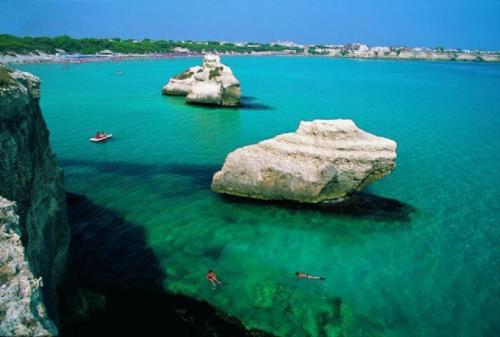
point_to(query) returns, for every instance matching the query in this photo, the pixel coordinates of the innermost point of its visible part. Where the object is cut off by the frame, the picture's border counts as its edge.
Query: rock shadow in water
(108, 252)
(111, 256)
(252, 103)
(246, 103)
(201, 175)
(359, 205)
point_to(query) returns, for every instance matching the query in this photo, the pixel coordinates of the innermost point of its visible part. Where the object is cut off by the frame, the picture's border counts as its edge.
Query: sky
(472, 24)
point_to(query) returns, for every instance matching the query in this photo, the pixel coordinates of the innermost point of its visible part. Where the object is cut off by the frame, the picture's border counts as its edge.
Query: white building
(181, 50)
(381, 50)
(106, 52)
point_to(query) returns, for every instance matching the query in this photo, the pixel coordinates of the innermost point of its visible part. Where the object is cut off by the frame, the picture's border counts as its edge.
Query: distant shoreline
(91, 58)
(65, 49)
(83, 58)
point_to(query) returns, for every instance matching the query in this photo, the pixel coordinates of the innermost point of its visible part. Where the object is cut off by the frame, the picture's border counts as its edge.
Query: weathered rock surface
(213, 83)
(22, 311)
(323, 160)
(30, 177)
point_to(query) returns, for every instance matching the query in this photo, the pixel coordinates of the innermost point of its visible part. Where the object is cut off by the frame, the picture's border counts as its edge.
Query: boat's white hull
(102, 139)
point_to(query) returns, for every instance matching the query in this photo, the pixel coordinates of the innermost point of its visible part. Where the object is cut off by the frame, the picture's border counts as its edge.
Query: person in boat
(212, 278)
(301, 275)
(99, 135)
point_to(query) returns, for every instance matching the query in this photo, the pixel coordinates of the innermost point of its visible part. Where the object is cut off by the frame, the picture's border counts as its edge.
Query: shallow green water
(434, 273)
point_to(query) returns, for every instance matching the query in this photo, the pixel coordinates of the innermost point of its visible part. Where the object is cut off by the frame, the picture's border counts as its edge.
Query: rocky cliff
(323, 160)
(213, 83)
(29, 176)
(22, 311)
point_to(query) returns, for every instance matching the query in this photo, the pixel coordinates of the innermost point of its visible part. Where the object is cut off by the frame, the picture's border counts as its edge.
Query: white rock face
(22, 311)
(205, 92)
(213, 83)
(323, 160)
(211, 60)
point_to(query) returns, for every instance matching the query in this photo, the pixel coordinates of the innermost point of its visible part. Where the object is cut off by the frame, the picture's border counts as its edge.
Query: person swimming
(212, 278)
(301, 275)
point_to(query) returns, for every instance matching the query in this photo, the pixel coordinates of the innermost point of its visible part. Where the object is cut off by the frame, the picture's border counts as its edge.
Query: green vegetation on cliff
(5, 78)
(23, 45)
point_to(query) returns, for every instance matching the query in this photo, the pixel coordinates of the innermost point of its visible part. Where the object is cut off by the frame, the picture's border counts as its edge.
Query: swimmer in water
(301, 275)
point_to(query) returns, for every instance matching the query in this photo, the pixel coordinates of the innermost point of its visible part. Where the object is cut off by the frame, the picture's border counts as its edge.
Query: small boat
(101, 137)
(118, 72)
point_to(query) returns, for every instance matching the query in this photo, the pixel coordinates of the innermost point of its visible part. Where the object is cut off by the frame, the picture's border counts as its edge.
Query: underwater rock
(127, 273)
(30, 177)
(213, 83)
(323, 160)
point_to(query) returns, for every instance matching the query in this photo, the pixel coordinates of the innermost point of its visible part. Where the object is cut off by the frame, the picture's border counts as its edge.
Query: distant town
(65, 49)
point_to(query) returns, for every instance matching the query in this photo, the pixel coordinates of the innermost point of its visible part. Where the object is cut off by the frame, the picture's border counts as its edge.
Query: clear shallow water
(435, 273)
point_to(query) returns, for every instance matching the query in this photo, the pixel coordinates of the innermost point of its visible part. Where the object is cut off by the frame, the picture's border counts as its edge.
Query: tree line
(24, 45)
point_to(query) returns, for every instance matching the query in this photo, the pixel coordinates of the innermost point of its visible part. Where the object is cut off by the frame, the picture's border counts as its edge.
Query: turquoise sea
(429, 268)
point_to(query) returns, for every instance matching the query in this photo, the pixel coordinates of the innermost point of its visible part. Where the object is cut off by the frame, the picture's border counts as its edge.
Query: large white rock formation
(323, 160)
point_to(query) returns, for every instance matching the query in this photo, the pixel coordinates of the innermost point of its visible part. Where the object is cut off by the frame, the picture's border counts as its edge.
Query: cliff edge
(30, 177)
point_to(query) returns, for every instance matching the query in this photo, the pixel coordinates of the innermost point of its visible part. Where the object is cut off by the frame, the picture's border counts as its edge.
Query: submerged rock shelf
(136, 301)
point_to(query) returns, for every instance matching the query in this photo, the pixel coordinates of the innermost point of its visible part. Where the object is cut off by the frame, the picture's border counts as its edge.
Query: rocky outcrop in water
(323, 160)
(213, 83)
(22, 311)
(30, 177)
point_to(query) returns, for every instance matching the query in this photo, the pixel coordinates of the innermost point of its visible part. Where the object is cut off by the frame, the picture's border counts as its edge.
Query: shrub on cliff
(5, 78)
(214, 73)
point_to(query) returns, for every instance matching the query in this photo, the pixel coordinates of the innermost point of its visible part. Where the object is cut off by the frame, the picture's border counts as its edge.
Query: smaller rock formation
(22, 311)
(323, 160)
(213, 83)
